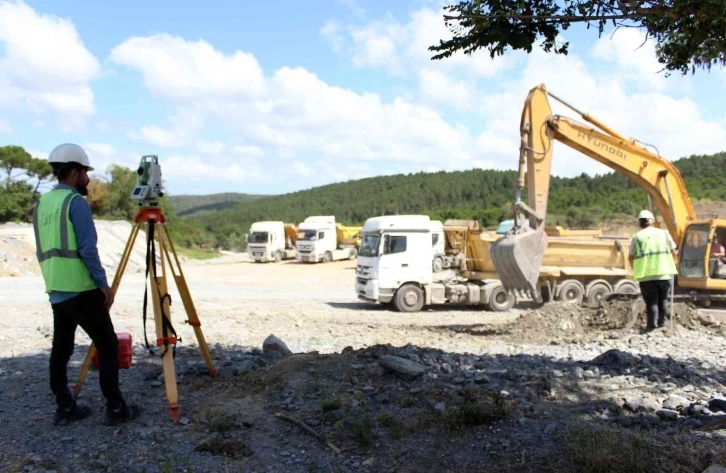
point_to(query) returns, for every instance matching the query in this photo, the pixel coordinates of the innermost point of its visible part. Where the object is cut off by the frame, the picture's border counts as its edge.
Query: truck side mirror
(386, 244)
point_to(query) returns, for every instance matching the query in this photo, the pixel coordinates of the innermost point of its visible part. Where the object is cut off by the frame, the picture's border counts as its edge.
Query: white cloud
(46, 66)
(294, 125)
(210, 147)
(190, 71)
(674, 125)
(195, 168)
(436, 86)
(403, 47)
(103, 155)
(634, 56)
(292, 111)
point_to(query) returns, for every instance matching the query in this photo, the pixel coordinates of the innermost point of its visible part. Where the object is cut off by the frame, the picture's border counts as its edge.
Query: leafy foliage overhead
(687, 33)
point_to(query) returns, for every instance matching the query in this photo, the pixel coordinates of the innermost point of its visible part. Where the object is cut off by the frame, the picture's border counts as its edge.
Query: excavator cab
(701, 260)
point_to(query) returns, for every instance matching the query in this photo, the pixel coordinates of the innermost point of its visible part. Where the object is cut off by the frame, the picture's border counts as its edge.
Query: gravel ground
(441, 390)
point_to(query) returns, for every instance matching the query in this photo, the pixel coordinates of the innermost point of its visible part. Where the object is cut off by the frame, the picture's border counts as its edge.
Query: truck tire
(438, 264)
(571, 291)
(353, 253)
(625, 286)
(409, 298)
(596, 293)
(500, 300)
(278, 257)
(327, 257)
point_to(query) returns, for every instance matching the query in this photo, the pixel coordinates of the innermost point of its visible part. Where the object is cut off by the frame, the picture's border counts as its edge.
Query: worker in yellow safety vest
(75, 281)
(653, 259)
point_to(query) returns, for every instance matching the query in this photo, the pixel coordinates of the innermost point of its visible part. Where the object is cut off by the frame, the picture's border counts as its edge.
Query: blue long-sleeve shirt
(82, 220)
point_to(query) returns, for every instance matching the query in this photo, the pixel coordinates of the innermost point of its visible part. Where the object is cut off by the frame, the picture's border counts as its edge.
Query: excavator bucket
(517, 257)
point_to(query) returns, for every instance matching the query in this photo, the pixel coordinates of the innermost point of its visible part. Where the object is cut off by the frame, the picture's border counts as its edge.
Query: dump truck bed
(348, 235)
(574, 256)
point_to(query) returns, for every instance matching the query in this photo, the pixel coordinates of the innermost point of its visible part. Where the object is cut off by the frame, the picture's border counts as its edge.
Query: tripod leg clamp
(165, 341)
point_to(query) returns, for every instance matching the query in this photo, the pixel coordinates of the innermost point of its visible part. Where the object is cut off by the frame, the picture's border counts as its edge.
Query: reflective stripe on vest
(57, 247)
(652, 254)
(63, 251)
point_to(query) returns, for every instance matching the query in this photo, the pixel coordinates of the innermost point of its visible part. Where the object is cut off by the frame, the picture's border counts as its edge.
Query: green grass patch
(197, 253)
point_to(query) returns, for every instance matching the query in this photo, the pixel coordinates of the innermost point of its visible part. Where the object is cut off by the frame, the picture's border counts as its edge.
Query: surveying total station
(147, 192)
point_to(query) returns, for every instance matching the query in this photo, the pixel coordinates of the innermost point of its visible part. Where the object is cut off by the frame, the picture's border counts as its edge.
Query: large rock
(403, 368)
(273, 345)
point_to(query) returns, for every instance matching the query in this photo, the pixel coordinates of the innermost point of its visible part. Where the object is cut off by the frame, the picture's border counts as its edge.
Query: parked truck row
(314, 240)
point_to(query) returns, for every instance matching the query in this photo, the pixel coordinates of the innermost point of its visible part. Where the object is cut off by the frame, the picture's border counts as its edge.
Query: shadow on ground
(401, 409)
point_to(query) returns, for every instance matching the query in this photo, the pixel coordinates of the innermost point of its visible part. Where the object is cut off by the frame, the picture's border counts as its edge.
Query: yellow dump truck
(395, 264)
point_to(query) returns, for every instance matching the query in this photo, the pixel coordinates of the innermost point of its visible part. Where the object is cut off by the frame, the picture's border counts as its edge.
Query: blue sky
(260, 99)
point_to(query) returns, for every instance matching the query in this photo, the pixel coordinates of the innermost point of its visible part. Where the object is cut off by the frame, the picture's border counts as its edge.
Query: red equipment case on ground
(124, 351)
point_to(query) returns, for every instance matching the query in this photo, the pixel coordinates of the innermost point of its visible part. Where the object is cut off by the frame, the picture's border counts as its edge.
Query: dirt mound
(17, 248)
(560, 322)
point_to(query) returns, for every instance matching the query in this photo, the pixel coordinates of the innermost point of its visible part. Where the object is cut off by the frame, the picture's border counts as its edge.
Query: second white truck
(271, 241)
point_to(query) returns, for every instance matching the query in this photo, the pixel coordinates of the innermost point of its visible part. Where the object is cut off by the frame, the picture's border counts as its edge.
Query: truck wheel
(625, 286)
(438, 264)
(596, 294)
(327, 257)
(353, 253)
(409, 298)
(500, 300)
(278, 257)
(571, 292)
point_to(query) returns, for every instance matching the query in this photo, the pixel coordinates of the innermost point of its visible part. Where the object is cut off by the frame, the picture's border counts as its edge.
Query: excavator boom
(518, 255)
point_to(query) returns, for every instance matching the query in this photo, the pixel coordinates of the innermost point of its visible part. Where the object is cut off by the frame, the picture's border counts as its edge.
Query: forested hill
(188, 205)
(484, 195)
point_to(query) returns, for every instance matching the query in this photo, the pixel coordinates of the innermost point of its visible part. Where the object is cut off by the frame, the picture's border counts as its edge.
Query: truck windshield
(307, 235)
(257, 237)
(369, 245)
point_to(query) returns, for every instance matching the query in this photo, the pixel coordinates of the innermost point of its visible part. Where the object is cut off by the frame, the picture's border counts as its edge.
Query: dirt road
(311, 307)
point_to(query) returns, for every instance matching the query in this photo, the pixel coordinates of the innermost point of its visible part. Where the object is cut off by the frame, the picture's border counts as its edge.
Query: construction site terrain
(312, 380)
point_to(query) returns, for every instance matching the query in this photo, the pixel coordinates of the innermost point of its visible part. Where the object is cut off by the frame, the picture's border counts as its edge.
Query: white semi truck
(271, 241)
(411, 261)
(320, 239)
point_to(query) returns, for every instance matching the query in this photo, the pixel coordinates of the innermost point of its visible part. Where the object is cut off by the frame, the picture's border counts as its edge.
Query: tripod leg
(114, 287)
(189, 305)
(159, 286)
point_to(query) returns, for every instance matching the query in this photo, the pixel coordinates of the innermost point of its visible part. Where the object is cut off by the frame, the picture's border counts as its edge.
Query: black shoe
(74, 412)
(122, 414)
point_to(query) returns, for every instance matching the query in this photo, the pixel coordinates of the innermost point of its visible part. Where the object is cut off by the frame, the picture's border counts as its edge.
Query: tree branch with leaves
(688, 34)
(23, 177)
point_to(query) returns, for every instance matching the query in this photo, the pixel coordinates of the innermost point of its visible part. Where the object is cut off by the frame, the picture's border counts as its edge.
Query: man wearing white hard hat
(76, 284)
(653, 259)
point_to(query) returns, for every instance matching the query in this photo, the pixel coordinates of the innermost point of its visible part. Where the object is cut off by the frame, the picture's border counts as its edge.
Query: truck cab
(320, 239)
(396, 250)
(268, 241)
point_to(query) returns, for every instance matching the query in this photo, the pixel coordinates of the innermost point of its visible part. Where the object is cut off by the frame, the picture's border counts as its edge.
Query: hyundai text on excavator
(518, 255)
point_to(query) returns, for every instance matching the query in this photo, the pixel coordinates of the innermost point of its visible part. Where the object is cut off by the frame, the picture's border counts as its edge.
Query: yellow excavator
(518, 255)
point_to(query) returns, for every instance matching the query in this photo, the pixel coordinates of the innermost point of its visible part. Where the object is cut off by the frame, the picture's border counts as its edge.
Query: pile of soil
(561, 322)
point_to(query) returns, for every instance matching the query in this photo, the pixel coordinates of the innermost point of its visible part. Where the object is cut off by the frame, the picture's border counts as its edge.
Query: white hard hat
(646, 214)
(69, 153)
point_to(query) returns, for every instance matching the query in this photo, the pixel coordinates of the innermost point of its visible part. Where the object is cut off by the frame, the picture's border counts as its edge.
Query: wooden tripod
(154, 218)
